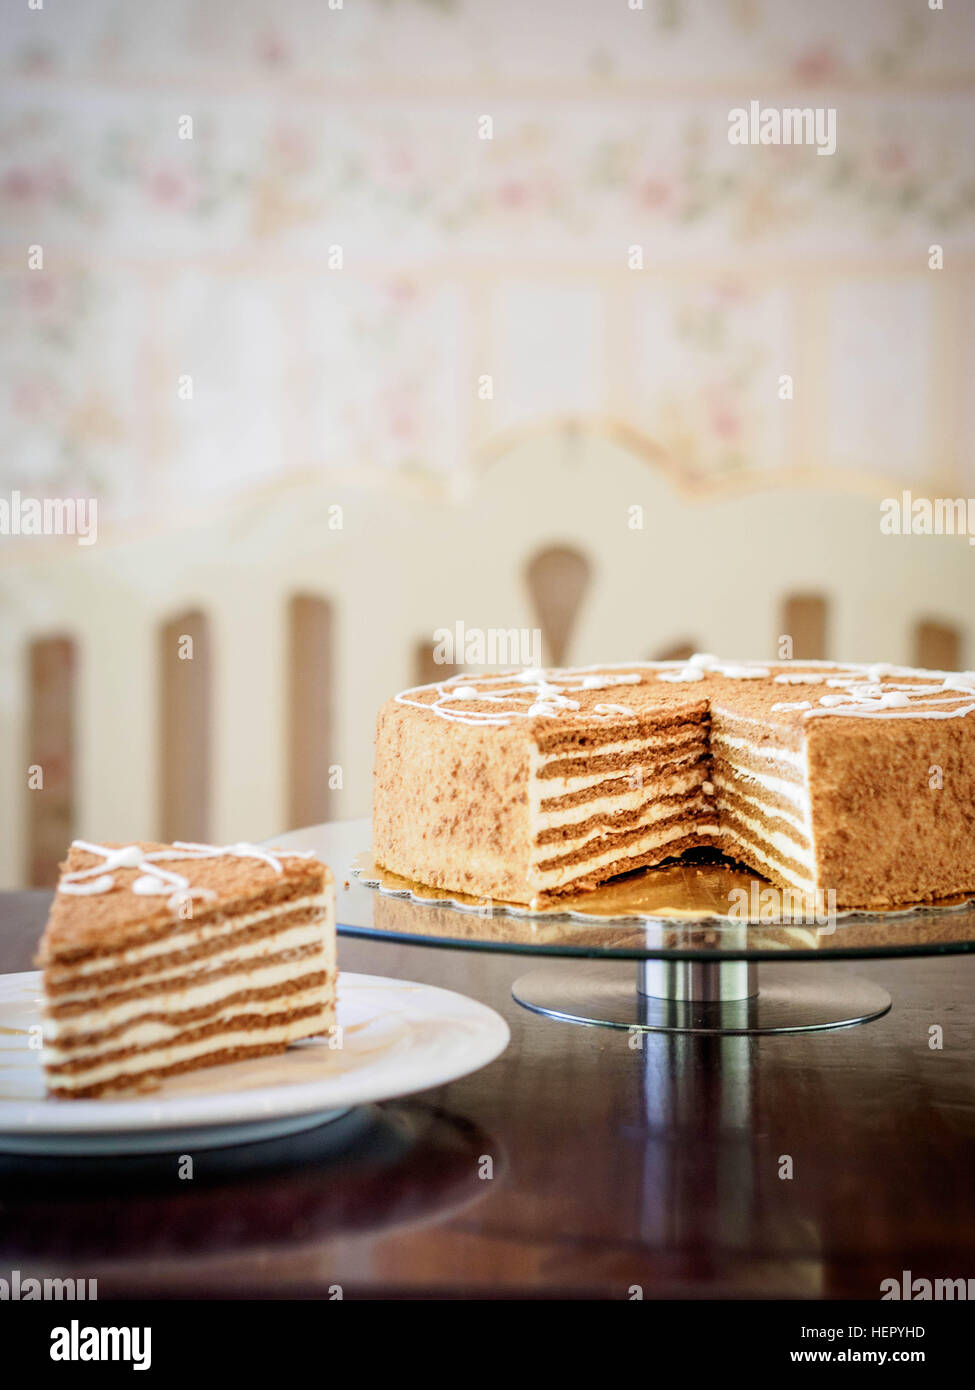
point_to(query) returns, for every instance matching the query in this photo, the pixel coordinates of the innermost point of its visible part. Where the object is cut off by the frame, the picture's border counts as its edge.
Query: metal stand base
(701, 996)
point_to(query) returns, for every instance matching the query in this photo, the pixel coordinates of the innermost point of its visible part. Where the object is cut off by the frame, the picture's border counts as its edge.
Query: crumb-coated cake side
(451, 803)
(893, 808)
(820, 776)
(159, 959)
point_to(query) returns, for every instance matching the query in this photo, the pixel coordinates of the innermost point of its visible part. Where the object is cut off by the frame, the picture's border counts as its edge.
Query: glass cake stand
(698, 970)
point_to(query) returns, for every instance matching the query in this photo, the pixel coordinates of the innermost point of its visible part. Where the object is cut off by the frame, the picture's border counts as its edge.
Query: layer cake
(822, 777)
(158, 959)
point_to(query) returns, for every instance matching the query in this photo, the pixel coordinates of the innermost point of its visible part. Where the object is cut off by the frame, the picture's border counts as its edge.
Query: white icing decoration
(860, 690)
(791, 704)
(873, 711)
(686, 673)
(613, 709)
(534, 695)
(160, 881)
(607, 682)
(703, 661)
(743, 673)
(96, 885)
(154, 880)
(550, 700)
(867, 698)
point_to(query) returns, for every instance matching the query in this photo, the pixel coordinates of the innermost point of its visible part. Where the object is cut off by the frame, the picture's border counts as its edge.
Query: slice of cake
(855, 780)
(158, 959)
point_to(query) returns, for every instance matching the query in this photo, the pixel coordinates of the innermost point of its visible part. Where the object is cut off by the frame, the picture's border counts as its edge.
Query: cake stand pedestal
(686, 996)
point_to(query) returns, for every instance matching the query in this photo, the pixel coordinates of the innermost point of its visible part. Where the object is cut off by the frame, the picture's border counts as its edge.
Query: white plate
(397, 1037)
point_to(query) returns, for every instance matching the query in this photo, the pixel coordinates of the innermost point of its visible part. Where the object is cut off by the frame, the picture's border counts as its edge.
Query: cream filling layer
(244, 956)
(794, 793)
(633, 800)
(651, 743)
(728, 784)
(751, 851)
(180, 1001)
(550, 787)
(789, 756)
(194, 936)
(776, 839)
(655, 811)
(556, 878)
(797, 793)
(160, 1057)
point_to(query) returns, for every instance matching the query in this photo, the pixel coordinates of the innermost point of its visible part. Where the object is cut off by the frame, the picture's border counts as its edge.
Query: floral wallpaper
(337, 259)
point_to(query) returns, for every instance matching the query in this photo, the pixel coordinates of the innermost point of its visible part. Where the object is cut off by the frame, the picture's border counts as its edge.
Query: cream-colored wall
(358, 127)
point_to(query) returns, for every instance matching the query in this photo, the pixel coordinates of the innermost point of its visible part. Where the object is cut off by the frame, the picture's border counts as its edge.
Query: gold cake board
(669, 996)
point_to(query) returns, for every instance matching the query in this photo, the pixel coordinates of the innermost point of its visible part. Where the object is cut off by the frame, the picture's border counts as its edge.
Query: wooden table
(572, 1166)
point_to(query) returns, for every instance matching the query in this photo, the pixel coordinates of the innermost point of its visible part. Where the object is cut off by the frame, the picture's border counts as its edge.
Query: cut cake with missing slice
(825, 778)
(159, 959)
